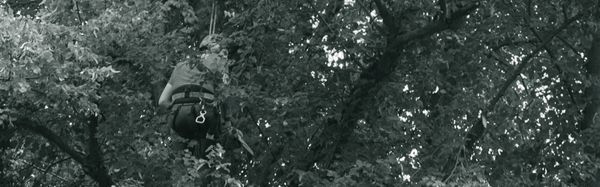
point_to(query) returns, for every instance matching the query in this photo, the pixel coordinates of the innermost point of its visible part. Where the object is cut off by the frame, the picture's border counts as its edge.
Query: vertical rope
(213, 19)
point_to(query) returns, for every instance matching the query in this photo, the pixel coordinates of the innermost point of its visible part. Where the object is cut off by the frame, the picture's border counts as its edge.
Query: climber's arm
(165, 97)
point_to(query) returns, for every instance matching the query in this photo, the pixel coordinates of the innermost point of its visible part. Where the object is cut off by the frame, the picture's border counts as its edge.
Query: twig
(78, 12)
(553, 57)
(53, 164)
(570, 46)
(455, 165)
(368, 14)
(45, 171)
(522, 80)
(314, 10)
(264, 136)
(434, 27)
(444, 8)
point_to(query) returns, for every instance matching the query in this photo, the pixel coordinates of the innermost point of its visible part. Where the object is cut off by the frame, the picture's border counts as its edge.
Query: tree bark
(92, 163)
(95, 156)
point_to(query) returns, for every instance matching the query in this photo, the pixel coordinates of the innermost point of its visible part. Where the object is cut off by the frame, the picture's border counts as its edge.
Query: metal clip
(200, 119)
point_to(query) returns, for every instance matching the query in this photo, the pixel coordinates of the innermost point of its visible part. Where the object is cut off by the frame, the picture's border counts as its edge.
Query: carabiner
(200, 119)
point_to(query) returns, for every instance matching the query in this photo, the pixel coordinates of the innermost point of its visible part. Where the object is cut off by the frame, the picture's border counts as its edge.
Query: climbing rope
(213, 19)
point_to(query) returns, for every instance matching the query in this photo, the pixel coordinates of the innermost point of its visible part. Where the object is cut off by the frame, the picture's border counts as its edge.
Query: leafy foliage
(326, 93)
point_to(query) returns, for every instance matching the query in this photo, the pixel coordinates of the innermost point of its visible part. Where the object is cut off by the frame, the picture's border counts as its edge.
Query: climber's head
(211, 43)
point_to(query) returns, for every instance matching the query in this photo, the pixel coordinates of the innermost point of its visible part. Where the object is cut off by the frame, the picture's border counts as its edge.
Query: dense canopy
(326, 92)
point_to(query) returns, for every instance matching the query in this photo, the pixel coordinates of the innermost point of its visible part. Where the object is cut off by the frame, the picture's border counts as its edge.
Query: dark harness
(191, 94)
(193, 113)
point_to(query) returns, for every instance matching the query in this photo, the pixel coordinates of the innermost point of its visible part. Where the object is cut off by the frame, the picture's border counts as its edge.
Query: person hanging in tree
(195, 111)
(190, 95)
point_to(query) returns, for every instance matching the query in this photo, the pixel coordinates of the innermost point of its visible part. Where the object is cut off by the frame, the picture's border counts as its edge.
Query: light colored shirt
(185, 74)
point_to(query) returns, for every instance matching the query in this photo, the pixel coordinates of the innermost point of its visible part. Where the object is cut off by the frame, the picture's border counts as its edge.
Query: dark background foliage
(327, 93)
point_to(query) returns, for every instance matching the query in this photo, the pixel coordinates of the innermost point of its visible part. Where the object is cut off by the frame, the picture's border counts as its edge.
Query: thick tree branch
(387, 64)
(97, 170)
(92, 163)
(51, 137)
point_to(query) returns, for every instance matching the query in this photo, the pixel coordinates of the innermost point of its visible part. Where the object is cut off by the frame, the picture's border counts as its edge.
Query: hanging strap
(213, 19)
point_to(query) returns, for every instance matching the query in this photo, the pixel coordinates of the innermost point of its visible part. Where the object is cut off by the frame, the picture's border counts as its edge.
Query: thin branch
(45, 171)
(55, 163)
(437, 26)
(553, 59)
(563, 40)
(524, 85)
(525, 62)
(528, 9)
(565, 9)
(78, 12)
(456, 162)
(510, 43)
(444, 8)
(569, 87)
(326, 23)
(260, 131)
(370, 18)
(491, 54)
(477, 130)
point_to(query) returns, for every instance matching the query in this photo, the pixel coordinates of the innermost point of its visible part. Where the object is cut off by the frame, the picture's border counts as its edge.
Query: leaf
(484, 121)
(23, 87)
(36, 69)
